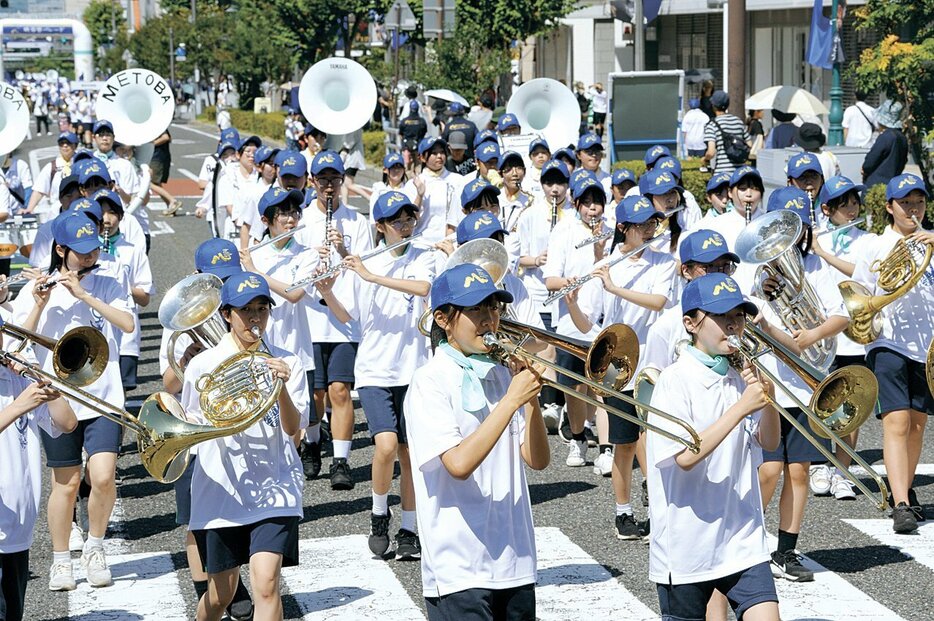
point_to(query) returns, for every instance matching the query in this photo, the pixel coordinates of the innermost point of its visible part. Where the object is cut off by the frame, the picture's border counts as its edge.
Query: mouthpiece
(255, 331)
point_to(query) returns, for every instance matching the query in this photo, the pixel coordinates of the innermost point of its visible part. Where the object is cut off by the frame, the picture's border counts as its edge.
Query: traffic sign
(436, 12)
(400, 17)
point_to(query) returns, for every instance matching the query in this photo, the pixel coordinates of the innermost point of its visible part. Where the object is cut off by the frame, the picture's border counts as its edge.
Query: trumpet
(278, 237)
(340, 267)
(577, 284)
(840, 403)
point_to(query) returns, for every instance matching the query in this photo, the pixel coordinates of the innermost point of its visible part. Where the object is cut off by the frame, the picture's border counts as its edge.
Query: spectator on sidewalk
(888, 156)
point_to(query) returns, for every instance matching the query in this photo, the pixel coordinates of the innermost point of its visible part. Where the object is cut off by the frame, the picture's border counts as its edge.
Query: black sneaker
(626, 527)
(645, 493)
(788, 565)
(903, 519)
(311, 459)
(916, 507)
(591, 438)
(341, 478)
(379, 533)
(241, 608)
(408, 547)
(645, 530)
(564, 428)
(326, 427)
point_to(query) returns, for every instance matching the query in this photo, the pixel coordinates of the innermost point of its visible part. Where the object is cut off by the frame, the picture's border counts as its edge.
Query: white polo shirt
(442, 196)
(662, 339)
(532, 233)
(250, 215)
(849, 246)
(127, 178)
(907, 322)
(707, 522)
(135, 263)
(476, 533)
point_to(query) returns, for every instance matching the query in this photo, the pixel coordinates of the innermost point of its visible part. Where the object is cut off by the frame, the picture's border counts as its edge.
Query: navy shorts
(744, 589)
(226, 548)
(902, 382)
(14, 572)
(334, 363)
(183, 493)
(515, 604)
(571, 363)
(622, 431)
(793, 447)
(95, 435)
(383, 409)
(128, 365)
(312, 412)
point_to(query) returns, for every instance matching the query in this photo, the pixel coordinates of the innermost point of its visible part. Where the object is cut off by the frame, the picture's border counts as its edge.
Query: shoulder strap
(871, 124)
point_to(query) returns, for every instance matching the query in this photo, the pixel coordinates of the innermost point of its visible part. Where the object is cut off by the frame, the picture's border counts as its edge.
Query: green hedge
(693, 180)
(374, 148)
(269, 126)
(874, 205)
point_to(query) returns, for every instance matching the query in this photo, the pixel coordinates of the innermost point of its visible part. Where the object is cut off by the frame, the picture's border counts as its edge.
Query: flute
(50, 283)
(844, 227)
(278, 237)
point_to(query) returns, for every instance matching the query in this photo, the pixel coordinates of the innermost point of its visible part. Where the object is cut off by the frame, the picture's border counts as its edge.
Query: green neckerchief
(841, 239)
(476, 367)
(718, 364)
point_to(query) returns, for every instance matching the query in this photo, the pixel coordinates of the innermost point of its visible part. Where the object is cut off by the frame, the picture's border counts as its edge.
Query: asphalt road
(584, 570)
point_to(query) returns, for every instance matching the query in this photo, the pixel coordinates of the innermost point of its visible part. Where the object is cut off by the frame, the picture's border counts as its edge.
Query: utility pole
(172, 59)
(638, 42)
(736, 88)
(835, 132)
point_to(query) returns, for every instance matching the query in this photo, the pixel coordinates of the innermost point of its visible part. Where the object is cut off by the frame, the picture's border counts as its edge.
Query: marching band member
(746, 190)
(622, 182)
(225, 155)
(476, 195)
(93, 176)
(898, 356)
(567, 156)
(25, 408)
(137, 206)
(487, 156)
(68, 193)
(246, 509)
(96, 300)
(708, 529)
(264, 160)
(513, 200)
(312, 143)
(590, 153)
(691, 214)
(391, 291)
(653, 154)
(718, 196)
(235, 185)
(394, 178)
(539, 154)
(508, 125)
(48, 183)
(122, 171)
(468, 441)
(632, 292)
(805, 173)
(664, 192)
(442, 190)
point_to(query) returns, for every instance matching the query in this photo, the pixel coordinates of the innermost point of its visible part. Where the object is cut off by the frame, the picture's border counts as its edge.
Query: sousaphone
(14, 118)
(337, 95)
(138, 103)
(548, 108)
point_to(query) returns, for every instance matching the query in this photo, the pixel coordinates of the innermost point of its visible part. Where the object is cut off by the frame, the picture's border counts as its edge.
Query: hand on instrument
(772, 288)
(246, 260)
(541, 259)
(603, 273)
(759, 390)
(200, 212)
(446, 246)
(355, 264)
(526, 382)
(190, 352)
(279, 368)
(336, 238)
(816, 248)
(36, 394)
(805, 338)
(922, 236)
(31, 273)
(72, 282)
(325, 284)
(572, 294)
(41, 293)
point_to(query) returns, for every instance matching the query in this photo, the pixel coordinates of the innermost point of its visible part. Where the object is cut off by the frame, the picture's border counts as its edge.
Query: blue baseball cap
(81, 155)
(110, 196)
(836, 187)
(585, 183)
(89, 207)
(264, 153)
(566, 153)
(224, 145)
(391, 203)
(654, 153)
(790, 197)
(78, 232)
(455, 108)
(715, 293)
(475, 188)
(636, 210)
(657, 182)
(465, 285)
(801, 163)
(506, 121)
(705, 246)
(621, 175)
(554, 167)
(512, 158)
(539, 143)
(478, 225)
(487, 135)
(902, 185)
(244, 287)
(256, 141)
(719, 179)
(69, 137)
(589, 141)
(487, 151)
(275, 196)
(311, 129)
(668, 163)
(292, 163)
(230, 135)
(393, 159)
(428, 142)
(103, 125)
(93, 169)
(218, 256)
(578, 175)
(326, 160)
(310, 195)
(741, 173)
(65, 184)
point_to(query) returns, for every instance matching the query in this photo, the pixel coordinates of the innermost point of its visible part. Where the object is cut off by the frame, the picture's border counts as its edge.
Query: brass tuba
(191, 306)
(771, 242)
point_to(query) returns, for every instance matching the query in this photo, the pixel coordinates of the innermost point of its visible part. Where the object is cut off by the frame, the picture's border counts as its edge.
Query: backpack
(735, 148)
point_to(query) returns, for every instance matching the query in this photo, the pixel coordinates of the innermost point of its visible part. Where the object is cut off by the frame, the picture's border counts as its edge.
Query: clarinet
(105, 245)
(554, 211)
(748, 210)
(811, 206)
(328, 223)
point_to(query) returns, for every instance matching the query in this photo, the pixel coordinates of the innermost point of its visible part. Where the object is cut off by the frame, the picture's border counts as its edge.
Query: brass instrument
(609, 363)
(192, 307)
(529, 202)
(771, 243)
(79, 356)
(898, 272)
(840, 403)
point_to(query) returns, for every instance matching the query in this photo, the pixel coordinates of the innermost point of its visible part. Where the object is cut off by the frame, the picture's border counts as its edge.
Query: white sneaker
(61, 577)
(577, 454)
(603, 464)
(76, 539)
(552, 415)
(820, 480)
(842, 488)
(95, 563)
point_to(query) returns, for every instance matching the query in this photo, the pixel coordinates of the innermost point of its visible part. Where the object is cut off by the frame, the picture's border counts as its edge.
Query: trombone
(609, 363)
(841, 402)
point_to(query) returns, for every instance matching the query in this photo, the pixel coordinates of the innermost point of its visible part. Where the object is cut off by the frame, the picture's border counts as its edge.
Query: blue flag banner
(820, 39)
(650, 9)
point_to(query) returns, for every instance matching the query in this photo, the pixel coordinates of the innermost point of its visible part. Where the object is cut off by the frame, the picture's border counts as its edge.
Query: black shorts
(226, 548)
(622, 431)
(95, 435)
(183, 493)
(599, 118)
(334, 362)
(515, 604)
(351, 172)
(794, 448)
(159, 171)
(14, 572)
(571, 363)
(128, 366)
(312, 412)
(744, 589)
(383, 409)
(902, 382)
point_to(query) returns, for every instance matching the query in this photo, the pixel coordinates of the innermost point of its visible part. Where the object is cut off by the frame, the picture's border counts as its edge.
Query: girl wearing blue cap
(470, 438)
(394, 178)
(898, 356)
(708, 528)
(79, 297)
(663, 189)
(745, 196)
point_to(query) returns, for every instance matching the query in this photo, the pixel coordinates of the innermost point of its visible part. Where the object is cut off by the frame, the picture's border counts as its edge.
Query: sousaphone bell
(138, 103)
(548, 108)
(337, 95)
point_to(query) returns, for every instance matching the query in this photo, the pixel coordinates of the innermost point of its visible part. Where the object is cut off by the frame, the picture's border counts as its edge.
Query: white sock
(61, 557)
(313, 433)
(589, 425)
(408, 521)
(341, 448)
(93, 542)
(623, 509)
(381, 503)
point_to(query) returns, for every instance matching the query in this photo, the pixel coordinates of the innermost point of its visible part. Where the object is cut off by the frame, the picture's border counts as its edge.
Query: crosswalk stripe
(923, 469)
(338, 578)
(826, 597)
(145, 587)
(919, 547)
(568, 576)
